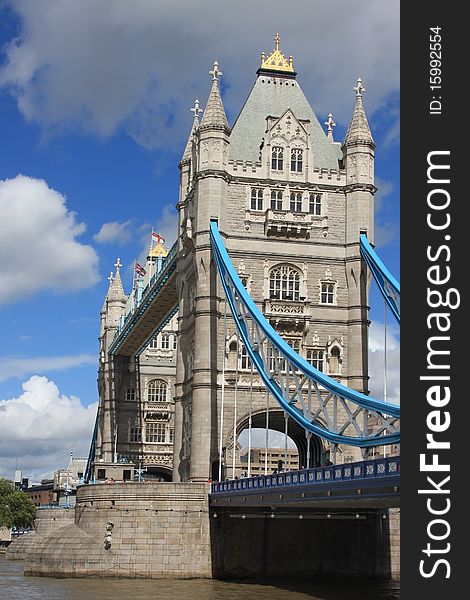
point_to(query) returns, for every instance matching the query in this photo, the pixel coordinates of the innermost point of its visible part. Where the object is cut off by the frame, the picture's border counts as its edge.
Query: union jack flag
(139, 270)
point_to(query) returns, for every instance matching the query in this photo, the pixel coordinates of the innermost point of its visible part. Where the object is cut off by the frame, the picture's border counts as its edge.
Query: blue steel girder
(320, 404)
(388, 285)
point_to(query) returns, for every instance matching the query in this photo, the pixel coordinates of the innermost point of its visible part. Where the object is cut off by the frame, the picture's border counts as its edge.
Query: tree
(16, 508)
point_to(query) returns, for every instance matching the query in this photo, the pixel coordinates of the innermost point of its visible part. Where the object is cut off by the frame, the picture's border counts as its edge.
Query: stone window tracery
(155, 432)
(316, 358)
(276, 200)
(130, 393)
(284, 283)
(277, 158)
(256, 199)
(296, 202)
(327, 295)
(296, 160)
(157, 390)
(315, 204)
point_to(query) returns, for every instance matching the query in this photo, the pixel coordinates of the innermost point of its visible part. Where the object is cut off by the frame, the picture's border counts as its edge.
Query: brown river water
(13, 585)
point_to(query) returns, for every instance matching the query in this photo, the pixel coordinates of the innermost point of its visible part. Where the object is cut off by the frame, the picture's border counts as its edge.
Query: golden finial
(276, 61)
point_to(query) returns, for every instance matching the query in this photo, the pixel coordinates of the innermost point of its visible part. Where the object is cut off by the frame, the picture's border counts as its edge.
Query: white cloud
(138, 64)
(16, 367)
(40, 427)
(38, 242)
(376, 362)
(114, 233)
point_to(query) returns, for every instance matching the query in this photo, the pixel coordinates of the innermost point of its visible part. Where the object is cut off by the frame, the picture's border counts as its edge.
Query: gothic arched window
(296, 160)
(284, 283)
(165, 341)
(277, 158)
(276, 200)
(157, 390)
(130, 393)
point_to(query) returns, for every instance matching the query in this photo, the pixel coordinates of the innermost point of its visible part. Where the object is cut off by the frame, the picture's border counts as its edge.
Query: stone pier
(147, 530)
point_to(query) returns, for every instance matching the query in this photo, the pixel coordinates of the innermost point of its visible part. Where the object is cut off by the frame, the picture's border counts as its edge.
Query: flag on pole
(139, 270)
(156, 237)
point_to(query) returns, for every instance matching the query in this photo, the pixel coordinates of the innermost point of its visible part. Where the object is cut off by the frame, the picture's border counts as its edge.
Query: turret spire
(359, 130)
(196, 110)
(116, 291)
(215, 112)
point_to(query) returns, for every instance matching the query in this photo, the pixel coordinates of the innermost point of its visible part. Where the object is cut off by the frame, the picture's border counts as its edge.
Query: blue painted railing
(367, 469)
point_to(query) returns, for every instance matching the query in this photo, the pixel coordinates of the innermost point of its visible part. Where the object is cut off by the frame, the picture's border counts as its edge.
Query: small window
(153, 344)
(175, 342)
(277, 158)
(135, 434)
(276, 200)
(171, 435)
(316, 358)
(276, 360)
(256, 199)
(327, 293)
(244, 358)
(101, 474)
(130, 393)
(314, 204)
(126, 475)
(165, 341)
(296, 202)
(296, 160)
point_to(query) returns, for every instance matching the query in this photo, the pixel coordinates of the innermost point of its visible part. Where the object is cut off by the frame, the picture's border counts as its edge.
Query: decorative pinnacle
(196, 110)
(118, 265)
(111, 278)
(359, 89)
(276, 41)
(330, 123)
(215, 72)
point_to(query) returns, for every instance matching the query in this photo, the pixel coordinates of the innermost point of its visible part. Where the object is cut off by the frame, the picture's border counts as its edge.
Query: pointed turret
(116, 290)
(187, 154)
(214, 114)
(359, 130)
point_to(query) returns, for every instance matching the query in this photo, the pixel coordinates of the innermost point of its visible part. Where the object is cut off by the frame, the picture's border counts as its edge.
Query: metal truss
(387, 283)
(318, 403)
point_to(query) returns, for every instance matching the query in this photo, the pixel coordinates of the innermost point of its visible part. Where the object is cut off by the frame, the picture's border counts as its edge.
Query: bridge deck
(159, 303)
(368, 484)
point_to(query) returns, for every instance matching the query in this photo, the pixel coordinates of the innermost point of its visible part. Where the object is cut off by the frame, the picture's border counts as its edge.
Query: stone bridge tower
(291, 203)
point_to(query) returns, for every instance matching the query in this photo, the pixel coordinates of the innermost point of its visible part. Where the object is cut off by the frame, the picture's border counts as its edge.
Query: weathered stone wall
(47, 522)
(260, 546)
(160, 530)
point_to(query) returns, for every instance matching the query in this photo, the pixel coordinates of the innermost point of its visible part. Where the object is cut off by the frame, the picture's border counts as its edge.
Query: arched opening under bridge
(296, 439)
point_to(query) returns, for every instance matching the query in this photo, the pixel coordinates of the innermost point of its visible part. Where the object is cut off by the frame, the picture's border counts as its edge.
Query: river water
(13, 585)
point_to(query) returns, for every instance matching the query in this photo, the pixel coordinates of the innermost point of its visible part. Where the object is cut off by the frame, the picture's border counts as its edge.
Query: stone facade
(290, 204)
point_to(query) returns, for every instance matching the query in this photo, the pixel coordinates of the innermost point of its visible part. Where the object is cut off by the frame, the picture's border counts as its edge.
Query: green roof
(273, 99)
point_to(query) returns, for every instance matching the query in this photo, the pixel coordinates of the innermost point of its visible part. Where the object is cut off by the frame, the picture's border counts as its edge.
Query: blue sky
(94, 114)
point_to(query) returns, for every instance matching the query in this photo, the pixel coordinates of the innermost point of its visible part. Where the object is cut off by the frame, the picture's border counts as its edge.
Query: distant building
(42, 494)
(67, 480)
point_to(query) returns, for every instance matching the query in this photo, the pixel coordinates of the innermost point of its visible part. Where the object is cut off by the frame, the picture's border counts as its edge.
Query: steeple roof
(359, 130)
(272, 94)
(214, 114)
(196, 110)
(116, 290)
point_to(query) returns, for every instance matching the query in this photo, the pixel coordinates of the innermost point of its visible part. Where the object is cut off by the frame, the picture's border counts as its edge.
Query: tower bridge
(265, 298)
